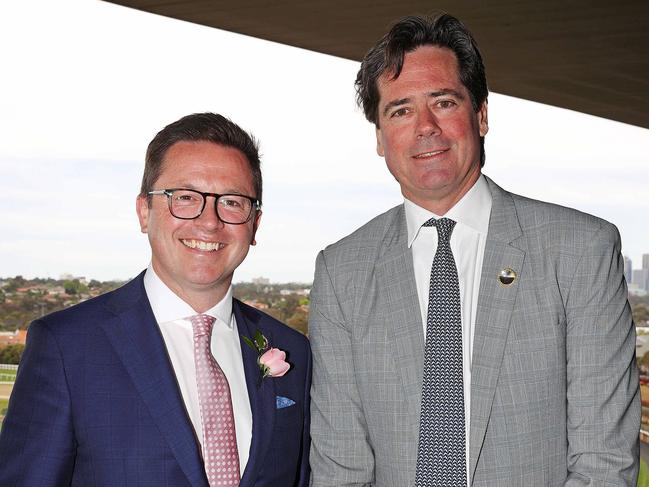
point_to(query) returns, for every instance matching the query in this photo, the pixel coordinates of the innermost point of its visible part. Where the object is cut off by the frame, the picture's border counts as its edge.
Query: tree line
(288, 302)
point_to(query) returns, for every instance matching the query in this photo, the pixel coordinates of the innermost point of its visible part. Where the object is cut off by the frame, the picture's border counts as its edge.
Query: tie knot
(202, 324)
(444, 227)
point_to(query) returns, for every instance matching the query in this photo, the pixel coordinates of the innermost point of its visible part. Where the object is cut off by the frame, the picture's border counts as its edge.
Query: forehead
(431, 68)
(204, 162)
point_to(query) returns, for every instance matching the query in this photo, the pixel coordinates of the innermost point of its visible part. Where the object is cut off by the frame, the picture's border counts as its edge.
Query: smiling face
(196, 258)
(428, 131)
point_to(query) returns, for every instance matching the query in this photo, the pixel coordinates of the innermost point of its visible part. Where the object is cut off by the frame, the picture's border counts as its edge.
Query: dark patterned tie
(441, 457)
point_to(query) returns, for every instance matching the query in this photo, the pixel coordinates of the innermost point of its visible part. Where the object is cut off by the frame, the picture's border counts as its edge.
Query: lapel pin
(506, 276)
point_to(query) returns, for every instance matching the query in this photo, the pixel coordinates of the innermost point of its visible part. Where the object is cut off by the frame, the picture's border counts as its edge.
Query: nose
(209, 219)
(427, 123)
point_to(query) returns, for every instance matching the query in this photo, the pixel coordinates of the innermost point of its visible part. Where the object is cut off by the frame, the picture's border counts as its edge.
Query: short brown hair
(210, 127)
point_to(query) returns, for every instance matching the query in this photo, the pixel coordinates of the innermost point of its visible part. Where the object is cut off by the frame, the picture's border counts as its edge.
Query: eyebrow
(432, 94)
(394, 103)
(196, 188)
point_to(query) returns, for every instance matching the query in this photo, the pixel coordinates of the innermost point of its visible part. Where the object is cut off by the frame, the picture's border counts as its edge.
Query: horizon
(87, 278)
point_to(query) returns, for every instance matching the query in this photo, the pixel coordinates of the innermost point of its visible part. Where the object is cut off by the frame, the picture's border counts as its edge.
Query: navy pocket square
(283, 402)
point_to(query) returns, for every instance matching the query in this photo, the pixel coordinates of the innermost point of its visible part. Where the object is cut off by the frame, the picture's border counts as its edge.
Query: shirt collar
(473, 210)
(168, 306)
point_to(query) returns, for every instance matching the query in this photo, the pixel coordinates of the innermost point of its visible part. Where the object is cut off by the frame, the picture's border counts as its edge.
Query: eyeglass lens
(231, 208)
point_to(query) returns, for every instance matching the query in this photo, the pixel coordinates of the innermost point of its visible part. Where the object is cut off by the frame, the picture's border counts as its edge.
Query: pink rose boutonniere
(271, 361)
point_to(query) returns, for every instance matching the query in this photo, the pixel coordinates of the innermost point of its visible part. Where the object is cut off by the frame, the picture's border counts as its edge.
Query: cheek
(238, 237)
(162, 229)
(396, 139)
(458, 127)
(396, 148)
(464, 128)
(244, 239)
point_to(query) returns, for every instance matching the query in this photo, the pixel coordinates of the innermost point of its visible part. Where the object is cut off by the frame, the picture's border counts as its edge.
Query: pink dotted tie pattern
(220, 452)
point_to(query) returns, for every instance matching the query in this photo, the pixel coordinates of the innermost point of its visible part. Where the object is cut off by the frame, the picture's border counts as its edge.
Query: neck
(200, 304)
(441, 204)
(199, 297)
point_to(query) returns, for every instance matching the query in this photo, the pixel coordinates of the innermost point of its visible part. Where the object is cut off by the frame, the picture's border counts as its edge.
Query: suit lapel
(137, 340)
(495, 306)
(260, 393)
(395, 281)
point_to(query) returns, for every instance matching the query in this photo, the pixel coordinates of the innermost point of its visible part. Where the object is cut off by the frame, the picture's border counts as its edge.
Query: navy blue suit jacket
(96, 403)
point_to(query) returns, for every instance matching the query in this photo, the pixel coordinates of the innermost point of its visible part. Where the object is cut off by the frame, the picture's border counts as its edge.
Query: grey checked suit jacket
(554, 388)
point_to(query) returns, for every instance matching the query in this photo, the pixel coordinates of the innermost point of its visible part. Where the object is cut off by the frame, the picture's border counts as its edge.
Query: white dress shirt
(471, 215)
(172, 314)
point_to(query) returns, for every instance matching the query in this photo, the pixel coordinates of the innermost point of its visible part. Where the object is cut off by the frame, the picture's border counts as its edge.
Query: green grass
(3, 410)
(643, 477)
(7, 375)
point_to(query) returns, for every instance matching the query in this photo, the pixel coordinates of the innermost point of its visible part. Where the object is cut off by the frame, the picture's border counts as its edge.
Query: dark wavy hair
(210, 127)
(405, 36)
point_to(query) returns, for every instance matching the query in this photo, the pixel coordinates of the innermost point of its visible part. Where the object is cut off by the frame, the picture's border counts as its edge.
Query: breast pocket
(289, 417)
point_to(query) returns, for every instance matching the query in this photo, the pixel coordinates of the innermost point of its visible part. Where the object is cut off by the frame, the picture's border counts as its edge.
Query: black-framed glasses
(188, 204)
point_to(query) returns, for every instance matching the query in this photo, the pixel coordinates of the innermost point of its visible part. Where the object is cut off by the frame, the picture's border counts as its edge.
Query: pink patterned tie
(219, 437)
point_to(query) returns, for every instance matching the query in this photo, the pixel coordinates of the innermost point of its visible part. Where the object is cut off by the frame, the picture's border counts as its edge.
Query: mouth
(429, 154)
(202, 245)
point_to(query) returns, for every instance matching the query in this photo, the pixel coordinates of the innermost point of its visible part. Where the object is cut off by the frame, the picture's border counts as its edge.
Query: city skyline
(637, 277)
(80, 104)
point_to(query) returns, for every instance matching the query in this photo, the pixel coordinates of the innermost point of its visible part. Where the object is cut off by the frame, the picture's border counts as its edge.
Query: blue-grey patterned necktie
(441, 457)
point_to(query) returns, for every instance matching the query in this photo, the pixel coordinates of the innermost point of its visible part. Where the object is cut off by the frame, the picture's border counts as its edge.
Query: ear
(379, 143)
(142, 208)
(255, 226)
(483, 121)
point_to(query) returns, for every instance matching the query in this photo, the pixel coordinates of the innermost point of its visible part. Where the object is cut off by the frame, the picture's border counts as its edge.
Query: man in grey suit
(544, 340)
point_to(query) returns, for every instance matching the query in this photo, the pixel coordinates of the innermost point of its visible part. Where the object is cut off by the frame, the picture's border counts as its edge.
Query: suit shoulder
(551, 219)
(92, 311)
(368, 238)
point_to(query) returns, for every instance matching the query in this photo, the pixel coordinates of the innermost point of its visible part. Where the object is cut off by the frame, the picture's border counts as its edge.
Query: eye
(186, 197)
(400, 112)
(446, 103)
(231, 202)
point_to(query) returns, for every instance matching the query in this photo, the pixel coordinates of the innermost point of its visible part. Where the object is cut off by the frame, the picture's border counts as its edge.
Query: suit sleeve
(603, 409)
(340, 451)
(37, 446)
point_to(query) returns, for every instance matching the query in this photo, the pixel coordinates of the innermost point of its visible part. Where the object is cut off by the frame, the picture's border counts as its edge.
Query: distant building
(641, 344)
(70, 277)
(261, 281)
(628, 270)
(640, 278)
(56, 290)
(34, 289)
(256, 304)
(12, 337)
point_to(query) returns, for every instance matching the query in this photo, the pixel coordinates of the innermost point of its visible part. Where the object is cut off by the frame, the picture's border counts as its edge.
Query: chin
(209, 280)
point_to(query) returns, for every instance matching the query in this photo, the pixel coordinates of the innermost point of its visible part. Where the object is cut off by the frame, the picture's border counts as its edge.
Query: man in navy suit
(106, 393)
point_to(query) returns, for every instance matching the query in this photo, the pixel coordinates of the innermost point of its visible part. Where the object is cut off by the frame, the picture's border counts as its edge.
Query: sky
(87, 84)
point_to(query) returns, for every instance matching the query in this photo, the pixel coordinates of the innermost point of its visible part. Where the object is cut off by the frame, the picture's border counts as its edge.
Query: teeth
(200, 245)
(428, 154)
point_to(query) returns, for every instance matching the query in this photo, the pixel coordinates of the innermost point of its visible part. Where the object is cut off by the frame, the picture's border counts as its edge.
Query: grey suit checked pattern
(441, 457)
(562, 329)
